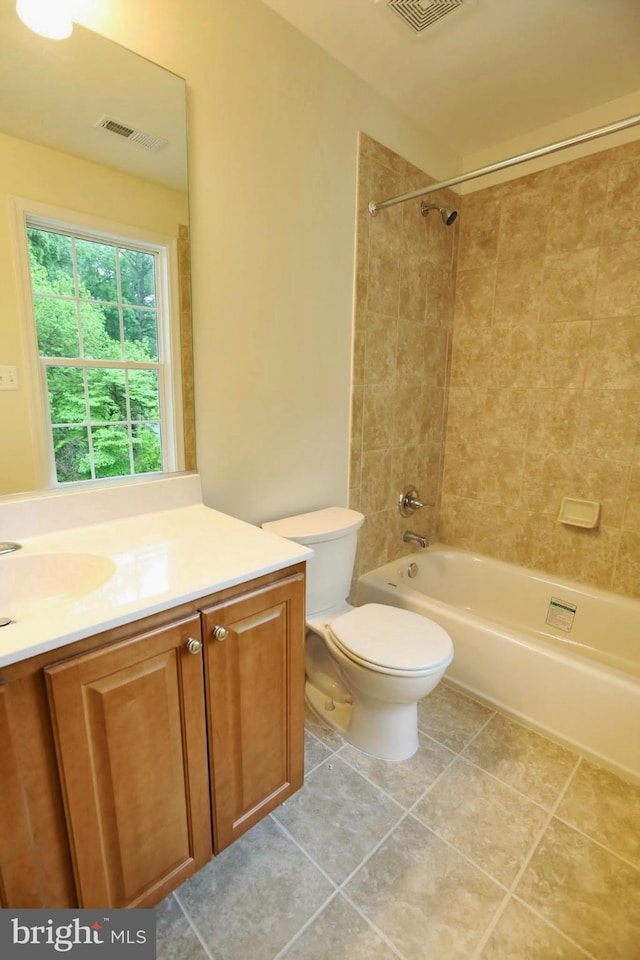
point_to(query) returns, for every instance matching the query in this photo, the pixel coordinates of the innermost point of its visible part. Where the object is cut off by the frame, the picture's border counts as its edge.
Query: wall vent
(419, 15)
(145, 140)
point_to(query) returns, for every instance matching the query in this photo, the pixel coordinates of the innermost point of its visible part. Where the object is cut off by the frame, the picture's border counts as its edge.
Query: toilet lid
(391, 638)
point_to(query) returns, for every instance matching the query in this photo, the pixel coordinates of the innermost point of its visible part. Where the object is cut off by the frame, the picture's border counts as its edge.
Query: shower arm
(376, 206)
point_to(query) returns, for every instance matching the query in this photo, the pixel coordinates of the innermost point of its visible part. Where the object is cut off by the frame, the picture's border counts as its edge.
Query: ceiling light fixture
(49, 18)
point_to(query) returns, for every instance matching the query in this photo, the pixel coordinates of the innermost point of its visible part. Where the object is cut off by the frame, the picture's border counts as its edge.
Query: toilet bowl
(366, 667)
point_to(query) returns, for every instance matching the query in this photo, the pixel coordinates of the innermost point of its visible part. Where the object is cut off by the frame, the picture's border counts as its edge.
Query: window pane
(51, 262)
(147, 452)
(71, 449)
(138, 278)
(66, 395)
(140, 334)
(111, 451)
(97, 277)
(57, 326)
(144, 395)
(98, 325)
(107, 396)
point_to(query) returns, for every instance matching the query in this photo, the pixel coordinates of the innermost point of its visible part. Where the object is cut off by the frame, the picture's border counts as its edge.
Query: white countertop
(136, 566)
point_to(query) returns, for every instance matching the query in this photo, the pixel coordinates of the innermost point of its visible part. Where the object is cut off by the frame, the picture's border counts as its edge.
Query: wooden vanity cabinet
(130, 731)
(254, 667)
(170, 742)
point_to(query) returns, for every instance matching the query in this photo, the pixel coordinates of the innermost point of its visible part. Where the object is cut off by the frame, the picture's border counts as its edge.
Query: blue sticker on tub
(560, 614)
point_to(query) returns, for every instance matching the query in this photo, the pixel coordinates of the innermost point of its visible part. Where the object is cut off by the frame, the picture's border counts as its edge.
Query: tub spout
(409, 537)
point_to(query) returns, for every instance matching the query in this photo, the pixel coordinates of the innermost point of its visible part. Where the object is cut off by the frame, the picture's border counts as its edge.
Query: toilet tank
(332, 534)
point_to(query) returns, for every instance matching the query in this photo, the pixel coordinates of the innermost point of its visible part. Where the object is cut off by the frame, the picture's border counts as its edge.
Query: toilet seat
(390, 640)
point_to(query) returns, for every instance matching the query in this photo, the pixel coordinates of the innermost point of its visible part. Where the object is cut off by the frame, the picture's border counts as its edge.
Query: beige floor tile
(484, 819)
(424, 896)
(522, 759)
(606, 808)
(339, 933)
(405, 780)
(314, 752)
(586, 892)
(338, 817)
(319, 729)
(521, 935)
(450, 717)
(175, 938)
(255, 896)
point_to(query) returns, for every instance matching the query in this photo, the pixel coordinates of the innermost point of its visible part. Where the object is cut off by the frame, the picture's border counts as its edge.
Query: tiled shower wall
(544, 397)
(403, 323)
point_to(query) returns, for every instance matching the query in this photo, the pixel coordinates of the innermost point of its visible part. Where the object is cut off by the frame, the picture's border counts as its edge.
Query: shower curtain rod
(375, 206)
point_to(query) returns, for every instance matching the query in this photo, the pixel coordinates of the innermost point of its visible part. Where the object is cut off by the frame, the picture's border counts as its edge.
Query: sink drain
(5, 621)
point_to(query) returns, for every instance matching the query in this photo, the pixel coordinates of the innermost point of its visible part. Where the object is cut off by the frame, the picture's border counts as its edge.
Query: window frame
(29, 213)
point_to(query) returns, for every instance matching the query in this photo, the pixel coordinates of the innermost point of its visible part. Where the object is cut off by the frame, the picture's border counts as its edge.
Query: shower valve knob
(409, 502)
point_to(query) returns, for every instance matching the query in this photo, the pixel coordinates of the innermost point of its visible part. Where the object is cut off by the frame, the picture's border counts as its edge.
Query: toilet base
(385, 731)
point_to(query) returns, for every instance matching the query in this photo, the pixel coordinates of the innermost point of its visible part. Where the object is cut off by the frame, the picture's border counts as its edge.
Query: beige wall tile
(377, 427)
(410, 351)
(613, 354)
(607, 424)
(552, 420)
(474, 297)
(515, 356)
(622, 213)
(627, 572)
(618, 287)
(456, 521)
(569, 286)
(631, 519)
(478, 237)
(579, 198)
(380, 346)
(501, 476)
(524, 211)
(518, 289)
(563, 353)
(539, 383)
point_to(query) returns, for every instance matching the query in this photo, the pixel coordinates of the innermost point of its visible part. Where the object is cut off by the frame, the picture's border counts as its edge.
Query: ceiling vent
(145, 140)
(419, 15)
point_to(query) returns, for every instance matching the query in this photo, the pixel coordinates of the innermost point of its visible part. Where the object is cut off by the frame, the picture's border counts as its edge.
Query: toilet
(366, 667)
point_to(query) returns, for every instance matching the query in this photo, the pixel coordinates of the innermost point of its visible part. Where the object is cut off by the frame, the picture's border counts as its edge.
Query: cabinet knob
(194, 645)
(220, 633)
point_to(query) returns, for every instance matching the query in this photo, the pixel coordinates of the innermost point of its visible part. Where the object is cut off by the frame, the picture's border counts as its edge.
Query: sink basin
(31, 583)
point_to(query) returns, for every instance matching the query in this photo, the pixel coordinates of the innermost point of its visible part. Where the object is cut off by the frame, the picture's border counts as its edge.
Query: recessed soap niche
(579, 513)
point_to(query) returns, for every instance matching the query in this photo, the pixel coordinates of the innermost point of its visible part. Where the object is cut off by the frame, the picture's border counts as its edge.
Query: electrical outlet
(8, 378)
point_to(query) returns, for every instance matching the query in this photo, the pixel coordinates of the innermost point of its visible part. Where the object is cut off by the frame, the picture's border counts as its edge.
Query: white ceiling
(490, 72)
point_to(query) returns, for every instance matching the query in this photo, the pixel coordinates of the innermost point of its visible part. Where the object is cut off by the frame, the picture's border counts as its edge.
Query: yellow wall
(37, 173)
(273, 127)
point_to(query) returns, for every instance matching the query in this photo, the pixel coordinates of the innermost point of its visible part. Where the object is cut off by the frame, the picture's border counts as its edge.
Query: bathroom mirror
(90, 127)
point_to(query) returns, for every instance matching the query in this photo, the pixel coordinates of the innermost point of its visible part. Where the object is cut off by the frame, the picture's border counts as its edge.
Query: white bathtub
(563, 657)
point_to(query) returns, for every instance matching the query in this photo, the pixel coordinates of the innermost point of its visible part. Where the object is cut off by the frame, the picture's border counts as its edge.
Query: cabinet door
(18, 861)
(130, 732)
(255, 695)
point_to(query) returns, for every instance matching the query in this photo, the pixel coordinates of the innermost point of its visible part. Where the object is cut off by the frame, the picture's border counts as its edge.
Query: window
(100, 306)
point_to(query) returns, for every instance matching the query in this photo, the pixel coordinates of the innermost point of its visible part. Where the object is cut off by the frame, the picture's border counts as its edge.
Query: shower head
(448, 216)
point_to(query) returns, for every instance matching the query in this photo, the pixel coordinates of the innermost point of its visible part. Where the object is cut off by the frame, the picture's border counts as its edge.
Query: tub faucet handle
(409, 502)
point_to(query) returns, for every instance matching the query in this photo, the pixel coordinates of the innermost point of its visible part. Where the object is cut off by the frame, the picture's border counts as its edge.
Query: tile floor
(491, 843)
